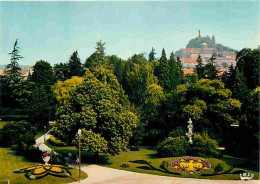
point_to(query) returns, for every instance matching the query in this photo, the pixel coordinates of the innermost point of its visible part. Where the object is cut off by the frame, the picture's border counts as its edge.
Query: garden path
(40, 143)
(103, 175)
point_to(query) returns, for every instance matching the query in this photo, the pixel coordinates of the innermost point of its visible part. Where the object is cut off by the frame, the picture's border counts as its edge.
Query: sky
(52, 31)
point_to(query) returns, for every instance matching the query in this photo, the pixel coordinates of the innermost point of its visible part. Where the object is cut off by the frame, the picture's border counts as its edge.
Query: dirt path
(103, 175)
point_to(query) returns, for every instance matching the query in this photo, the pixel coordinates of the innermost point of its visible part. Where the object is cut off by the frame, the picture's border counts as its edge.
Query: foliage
(43, 73)
(12, 77)
(152, 55)
(210, 70)
(93, 142)
(207, 102)
(62, 90)
(204, 146)
(75, 67)
(40, 105)
(13, 70)
(248, 64)
(173, 146)
(18, 135)
(98, 104)
(61, 71)
(200, 68)
(177, 132)
(138, 76)
(168, 72)
(56, 142)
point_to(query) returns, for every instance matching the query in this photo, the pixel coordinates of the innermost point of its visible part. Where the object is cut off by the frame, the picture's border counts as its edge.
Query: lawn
(137, 159)
(9, 162)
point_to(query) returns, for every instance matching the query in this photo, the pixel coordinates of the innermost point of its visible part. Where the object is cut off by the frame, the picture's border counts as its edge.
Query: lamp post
(44, 134)
(79, 134)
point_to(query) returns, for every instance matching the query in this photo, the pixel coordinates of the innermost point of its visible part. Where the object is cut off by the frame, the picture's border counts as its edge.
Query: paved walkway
(40, 143)
(103, 175)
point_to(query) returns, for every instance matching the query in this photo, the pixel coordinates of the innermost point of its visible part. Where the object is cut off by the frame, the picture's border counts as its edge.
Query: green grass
(9, 162)
(149, 154)
(2, 123)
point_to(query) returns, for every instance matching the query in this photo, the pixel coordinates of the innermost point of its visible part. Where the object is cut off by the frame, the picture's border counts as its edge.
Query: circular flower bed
(190, 165)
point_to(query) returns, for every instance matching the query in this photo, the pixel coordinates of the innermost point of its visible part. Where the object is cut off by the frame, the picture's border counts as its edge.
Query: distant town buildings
(224, 58)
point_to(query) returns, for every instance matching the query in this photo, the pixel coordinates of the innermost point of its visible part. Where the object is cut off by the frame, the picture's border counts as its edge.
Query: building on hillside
(189, 56)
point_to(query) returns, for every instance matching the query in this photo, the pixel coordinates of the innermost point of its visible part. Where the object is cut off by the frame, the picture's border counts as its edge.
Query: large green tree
(11, 79)
(43, 73)
(208, 103)
(13, 70)
(248, 63)
(138, 76)
(200, 68)
(169, 72)
(61, 71)
(75, 67)
(99, 106)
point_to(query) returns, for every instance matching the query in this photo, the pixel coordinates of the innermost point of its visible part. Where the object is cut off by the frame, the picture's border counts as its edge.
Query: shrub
(177, 132)
(218, 168)
(56, 142)
(57, 159)
(19, 135)
(204, 146)
(173, 147)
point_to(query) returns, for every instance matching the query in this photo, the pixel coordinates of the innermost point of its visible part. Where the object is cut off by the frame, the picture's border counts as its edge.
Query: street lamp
(44, 135)
(79, 134)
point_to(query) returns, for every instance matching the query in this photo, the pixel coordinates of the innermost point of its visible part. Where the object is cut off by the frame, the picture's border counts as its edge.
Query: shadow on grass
(242, 163)
(148, 166)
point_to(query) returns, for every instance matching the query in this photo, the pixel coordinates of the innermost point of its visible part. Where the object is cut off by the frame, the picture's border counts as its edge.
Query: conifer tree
(152, 55)
(211, 71)
(100, 49)
(75, 67)
(238, 87)
(13, 70)
(200, 68)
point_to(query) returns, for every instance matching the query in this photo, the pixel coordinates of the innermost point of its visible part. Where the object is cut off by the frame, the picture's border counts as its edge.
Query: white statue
(190, 133)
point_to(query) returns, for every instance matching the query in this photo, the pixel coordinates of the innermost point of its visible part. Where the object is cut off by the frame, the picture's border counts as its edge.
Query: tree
(138, 76)
(97, 105)
(238, 87)
(13, 70)
(74, 66)
(208, 103)
(40, 105)
(12, 77)
(211, 71)
(199, 68)
(152, 55)
(100, 49)
(169, 73)
(43, 73)
(248, 63)
(61, 71)
(98, 57)
(62, 90)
